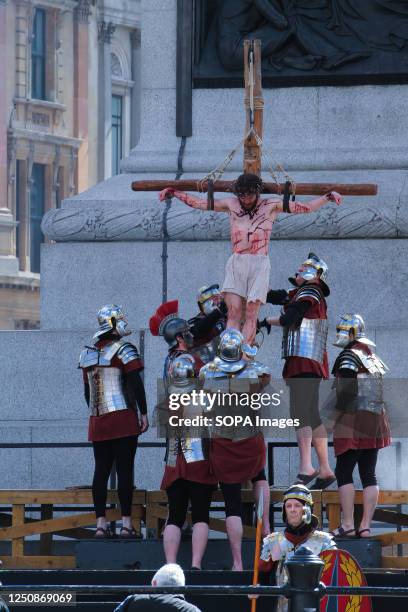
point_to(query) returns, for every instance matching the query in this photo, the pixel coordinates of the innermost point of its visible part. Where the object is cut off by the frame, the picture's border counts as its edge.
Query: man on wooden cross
(248, 268)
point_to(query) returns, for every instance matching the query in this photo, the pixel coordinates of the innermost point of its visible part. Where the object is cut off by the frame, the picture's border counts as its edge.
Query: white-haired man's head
(170, 574)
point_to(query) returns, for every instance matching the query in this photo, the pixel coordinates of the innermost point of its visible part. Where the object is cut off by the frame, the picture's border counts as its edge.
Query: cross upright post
(254, 104)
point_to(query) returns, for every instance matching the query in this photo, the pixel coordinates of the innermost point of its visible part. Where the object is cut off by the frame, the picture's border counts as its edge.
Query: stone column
(135, 111)
(158, 139)
(81, 61)
(105, 34)
(23, 45)
(8, 261)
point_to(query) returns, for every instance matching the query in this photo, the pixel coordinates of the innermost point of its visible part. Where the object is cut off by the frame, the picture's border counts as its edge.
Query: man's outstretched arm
(194, 201)
(311, 206)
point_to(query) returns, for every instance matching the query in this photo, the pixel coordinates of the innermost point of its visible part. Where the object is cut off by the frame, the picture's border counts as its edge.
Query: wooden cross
(252, 146)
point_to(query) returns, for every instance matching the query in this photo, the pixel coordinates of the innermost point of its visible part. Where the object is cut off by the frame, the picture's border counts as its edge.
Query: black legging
(304, 399)
(122, 451)
(366, 459)
(232, 494)
(180, 493)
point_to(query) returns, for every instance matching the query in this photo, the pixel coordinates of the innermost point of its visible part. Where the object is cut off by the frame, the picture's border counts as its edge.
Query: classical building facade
(69, 111)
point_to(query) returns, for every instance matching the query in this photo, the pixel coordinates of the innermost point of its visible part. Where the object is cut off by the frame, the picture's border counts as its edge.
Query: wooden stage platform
(25, 514)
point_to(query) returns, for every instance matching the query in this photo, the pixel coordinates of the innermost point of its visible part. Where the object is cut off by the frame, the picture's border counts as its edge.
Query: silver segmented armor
(310, 338)
(277, 548)
(179, 377)
(232, 378)
(370, 383)
(106, 389)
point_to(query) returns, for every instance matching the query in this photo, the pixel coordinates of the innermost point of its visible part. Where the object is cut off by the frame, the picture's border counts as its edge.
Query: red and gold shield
(341, 569)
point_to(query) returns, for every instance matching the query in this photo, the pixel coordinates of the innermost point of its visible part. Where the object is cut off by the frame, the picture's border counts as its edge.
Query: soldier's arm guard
(346, 368)
(128, 353)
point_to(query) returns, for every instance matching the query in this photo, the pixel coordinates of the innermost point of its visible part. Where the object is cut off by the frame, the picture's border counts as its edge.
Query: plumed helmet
(205, 298)
(182, 370)
(231, 343)
(355, 323)
(302, 494)
(111, 317)
(167, 323)
(176, 327)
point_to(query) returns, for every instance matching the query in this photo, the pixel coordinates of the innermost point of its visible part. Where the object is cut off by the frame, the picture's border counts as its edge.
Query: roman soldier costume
(359, 372)
(305, 321)
(107, 368)
(279, 547)
(186, 455)
(239, 455)
(114, 391)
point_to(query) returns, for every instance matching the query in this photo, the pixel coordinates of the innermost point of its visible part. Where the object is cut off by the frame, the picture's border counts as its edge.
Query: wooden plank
(389, 516)
(318, 511)
(394, 562)
(80, 532)
(153, 513)
(62, 496)
(58, 524)
(34, 562)
(155, 497)
(252, 150)
(361, 189)
(385, 498)
(333, 512)
(392, 538)
(17, 545)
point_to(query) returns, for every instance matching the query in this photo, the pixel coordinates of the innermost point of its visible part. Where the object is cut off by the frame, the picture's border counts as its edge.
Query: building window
(37, 201)
(38, 56)
(26, 324)
(117, 121)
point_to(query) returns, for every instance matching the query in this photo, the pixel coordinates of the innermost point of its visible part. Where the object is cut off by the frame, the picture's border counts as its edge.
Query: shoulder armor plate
(320, 541)
(272, 540)
(88, 358)
(127, 353)
(372, 362)
(326, 539)
(108, 352)
(347, 360)
(309, 291)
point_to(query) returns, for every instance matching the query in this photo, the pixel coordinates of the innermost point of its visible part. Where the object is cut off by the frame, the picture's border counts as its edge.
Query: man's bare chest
(262, 220)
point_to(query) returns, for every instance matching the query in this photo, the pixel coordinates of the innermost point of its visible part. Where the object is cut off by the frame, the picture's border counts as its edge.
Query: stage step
(93, 603)
(148, 554)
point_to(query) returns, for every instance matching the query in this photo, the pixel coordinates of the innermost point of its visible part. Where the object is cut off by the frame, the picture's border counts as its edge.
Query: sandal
(101, 533)
(360, 531)
(322, 483)
(304, 479)
(128, 532)
(340, 532)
